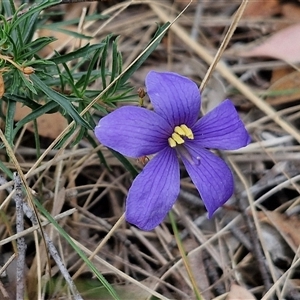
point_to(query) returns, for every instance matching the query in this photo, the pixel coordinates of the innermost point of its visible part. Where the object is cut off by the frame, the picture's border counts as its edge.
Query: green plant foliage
(68, 83)
(58, 83)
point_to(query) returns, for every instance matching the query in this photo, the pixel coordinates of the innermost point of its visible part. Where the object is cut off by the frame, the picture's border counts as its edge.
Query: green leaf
(114, 67)
(26, 101)
(14, 48)
(27, 29)
(8, 7)
(35, 9)
(90, 69)
(9, 122)
(61, 142)
(63, 101)
(81, 52)
(69, 78)
(73, 33)
(4, 168)
(33, 47)
(99, 153)
(53, 26)
(103, 62)
(79, 137)
(27, 82)
(126, 163)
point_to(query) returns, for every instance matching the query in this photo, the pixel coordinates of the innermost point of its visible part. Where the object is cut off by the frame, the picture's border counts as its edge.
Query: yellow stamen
(179, 130)
(177, 138)
(172, 143)
(187, 132)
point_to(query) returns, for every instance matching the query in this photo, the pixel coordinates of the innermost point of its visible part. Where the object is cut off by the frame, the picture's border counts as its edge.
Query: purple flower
(173, 130)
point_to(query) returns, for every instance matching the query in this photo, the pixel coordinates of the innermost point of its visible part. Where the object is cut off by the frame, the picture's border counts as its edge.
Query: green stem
(184, 257)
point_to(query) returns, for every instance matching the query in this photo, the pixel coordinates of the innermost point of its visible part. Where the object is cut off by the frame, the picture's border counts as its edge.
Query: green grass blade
(78, 250)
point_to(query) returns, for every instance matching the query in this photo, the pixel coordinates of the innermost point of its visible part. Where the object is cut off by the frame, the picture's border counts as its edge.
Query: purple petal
(174, 97)
(221, 128)
(133, 131)
(154, 191)
(211, 176)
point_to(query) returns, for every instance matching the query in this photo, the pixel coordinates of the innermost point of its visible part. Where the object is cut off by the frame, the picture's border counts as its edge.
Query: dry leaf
(280, 72)
(287, 226)
(291, 11)
(49, 125)
(256, 9)
(285, 90)
(215, 93)
(284, 45)
(275, 244)
(132, 291)
(239, 293)
(198, 269)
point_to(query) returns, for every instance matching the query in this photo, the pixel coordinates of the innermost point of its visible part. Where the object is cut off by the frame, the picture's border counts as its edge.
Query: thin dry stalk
(21, 245)
(227, 74)
(50, 246)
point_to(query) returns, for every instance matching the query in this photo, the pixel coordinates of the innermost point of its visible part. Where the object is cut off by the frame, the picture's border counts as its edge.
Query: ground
(249, 249)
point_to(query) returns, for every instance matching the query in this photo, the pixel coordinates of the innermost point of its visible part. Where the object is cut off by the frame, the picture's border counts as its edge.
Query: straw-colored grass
(251, 242)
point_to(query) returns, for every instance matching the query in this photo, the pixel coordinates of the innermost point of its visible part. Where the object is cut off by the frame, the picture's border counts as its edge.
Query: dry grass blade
(231, 255)
(228, 75)
(224, 43)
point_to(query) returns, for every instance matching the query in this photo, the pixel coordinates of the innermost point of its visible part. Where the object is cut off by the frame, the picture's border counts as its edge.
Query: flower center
(178, 136)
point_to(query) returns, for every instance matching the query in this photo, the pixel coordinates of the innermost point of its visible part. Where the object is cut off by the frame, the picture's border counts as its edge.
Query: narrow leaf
(9, 122)
(64, 234)
(63, 101)
(81, 52)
